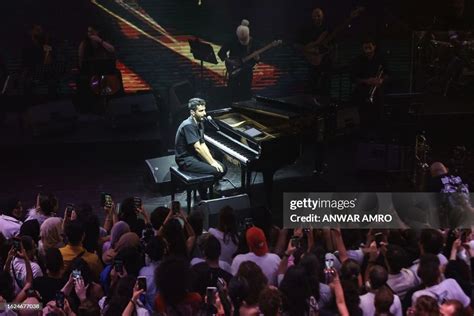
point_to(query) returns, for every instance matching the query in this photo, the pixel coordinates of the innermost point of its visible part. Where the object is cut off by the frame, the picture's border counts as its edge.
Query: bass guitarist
(240, 84)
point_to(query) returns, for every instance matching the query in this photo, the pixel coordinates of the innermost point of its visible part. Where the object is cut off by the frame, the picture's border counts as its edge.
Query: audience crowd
(165, 263)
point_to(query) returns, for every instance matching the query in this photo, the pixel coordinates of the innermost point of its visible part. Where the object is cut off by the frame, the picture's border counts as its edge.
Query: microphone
(210, 120)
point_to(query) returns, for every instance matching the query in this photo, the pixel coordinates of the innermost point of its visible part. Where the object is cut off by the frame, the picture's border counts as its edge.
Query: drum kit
(446, 60)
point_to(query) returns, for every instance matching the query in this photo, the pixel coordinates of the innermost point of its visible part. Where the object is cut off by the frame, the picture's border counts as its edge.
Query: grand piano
(264, 134)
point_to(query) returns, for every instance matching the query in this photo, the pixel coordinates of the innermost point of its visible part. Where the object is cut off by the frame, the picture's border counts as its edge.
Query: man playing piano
(192, 153)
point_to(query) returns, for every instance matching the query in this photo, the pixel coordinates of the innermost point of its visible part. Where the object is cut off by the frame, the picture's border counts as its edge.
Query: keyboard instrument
(263, 135)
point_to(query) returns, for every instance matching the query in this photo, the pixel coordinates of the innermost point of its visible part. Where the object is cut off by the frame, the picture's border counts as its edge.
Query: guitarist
(241, 84)
(369, 73)
(315, 33)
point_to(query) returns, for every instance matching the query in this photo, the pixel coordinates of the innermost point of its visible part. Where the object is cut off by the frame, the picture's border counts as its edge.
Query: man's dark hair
(228, 224)
(428, 270)
(270, 301)
(9, 205)
(133, 259)
(256, 279)
(212, 248)
(368, 40)
(47, 203)
(88, 308)
(53, 260)
(74, 232)
(31, 228)
(173, 279)
(194, 103)
(431, 240)
(28, 243)
(158, 216)
(296, 289)
(155, 248)
(396, 258)
(378, 277)
(383, 301)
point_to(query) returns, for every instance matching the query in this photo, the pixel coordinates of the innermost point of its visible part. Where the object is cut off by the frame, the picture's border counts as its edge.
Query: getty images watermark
(376, 210)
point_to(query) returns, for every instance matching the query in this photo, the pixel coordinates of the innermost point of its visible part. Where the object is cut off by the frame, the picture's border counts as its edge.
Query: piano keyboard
(230, 146)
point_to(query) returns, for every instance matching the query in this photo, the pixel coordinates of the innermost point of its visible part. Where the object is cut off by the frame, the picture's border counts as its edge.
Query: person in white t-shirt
(18, 266)
(226, 233)
(400, 280)
(431, 241)
(449, 289)
(10, 219)
(259, 254)
(378, 277)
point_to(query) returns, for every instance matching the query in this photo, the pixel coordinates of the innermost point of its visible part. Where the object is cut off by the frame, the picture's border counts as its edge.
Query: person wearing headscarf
(127, 240)
(118, 230)
(50, 235)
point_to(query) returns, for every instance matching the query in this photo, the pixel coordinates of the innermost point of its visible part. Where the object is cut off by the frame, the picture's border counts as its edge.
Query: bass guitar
(315, 51)
(235, 65)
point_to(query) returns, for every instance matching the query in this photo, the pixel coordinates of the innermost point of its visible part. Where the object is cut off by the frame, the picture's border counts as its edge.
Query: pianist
(192, 153)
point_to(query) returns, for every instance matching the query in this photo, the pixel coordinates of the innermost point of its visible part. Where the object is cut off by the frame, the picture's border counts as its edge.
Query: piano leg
(243, 172)
(268, 186)
(248, 179)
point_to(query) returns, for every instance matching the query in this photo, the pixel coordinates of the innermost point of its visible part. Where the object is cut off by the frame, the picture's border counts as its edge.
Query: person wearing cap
(240, 47)
(268, 262)
(192, 153)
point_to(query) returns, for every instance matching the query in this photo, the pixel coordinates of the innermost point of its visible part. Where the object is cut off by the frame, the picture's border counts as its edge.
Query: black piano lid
(286, 107)
(230, 131)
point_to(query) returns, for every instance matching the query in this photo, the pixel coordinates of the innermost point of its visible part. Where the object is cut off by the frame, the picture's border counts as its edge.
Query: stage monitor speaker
(133, 111)
(157, 174)
(53, 117)
(211, 208)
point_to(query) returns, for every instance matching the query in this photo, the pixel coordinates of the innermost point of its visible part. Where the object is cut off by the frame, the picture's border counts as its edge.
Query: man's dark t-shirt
(189, 132)
(311, 33)
(238, 51)
(363, 68)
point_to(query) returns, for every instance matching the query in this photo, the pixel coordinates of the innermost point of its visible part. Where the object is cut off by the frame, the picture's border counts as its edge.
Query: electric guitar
(235, 65)
(315, 51)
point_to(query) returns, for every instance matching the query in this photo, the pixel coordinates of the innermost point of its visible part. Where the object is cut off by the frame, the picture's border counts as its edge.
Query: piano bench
(190, 182)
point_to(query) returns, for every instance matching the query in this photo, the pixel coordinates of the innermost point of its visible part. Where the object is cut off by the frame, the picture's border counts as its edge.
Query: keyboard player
(192, 153)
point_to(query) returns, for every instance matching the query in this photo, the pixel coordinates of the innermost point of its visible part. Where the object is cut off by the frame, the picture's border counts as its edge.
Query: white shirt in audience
(228, 247)
(148, 271)
(268, 263)
(33, 214)
(222, 264)
(443, 261)
(9, 226)
(368, 308)
(449, 289)
(402, 282)
(19, 272)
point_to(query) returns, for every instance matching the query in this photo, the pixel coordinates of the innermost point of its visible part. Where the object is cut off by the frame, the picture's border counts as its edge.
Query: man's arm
(203, 151)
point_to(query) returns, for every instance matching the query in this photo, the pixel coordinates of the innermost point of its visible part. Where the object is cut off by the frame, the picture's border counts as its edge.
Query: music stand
(203, 52)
